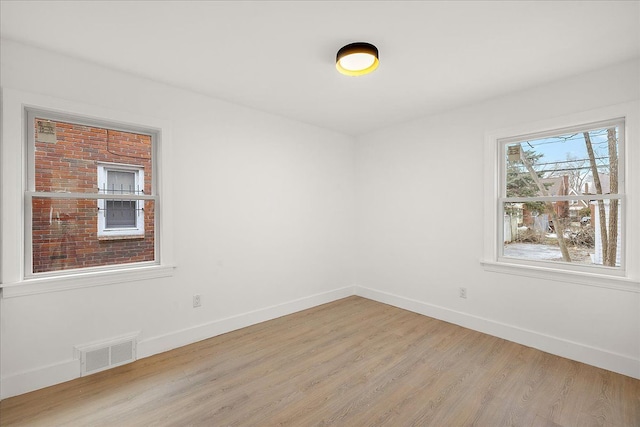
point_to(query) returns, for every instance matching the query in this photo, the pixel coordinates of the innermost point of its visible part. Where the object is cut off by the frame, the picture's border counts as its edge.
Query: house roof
(605, 182)
(279, 56)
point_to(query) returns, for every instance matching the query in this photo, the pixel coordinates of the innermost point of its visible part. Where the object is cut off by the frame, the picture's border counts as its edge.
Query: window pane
(67, 157)
(65, 236)
(121, 182)
(538, 231)
(569, 164)
(121, 213)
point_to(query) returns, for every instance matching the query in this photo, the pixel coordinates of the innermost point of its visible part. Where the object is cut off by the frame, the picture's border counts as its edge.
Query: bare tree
(559, 225)
(610, 239)
(613, 203)
(576, 169)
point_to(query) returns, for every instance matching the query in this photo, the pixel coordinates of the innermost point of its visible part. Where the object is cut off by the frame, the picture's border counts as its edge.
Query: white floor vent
(96, 357)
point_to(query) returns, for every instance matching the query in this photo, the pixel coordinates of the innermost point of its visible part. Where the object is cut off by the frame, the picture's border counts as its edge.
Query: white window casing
(16, 278)
(105, 207)
(626, 274)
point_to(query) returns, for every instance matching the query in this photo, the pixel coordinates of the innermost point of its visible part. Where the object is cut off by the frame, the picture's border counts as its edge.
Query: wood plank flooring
(353, 362)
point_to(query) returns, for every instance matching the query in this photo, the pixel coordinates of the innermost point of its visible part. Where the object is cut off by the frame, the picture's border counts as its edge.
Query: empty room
(350, 213)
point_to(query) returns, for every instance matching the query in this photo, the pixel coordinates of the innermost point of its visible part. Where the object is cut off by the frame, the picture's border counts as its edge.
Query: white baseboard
(25, 382)
(600, 358)
(162, 343)
(35, 379)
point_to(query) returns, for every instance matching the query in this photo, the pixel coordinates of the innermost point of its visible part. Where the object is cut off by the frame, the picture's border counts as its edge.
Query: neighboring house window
(90, 201)
(120, 217)
(561, 197)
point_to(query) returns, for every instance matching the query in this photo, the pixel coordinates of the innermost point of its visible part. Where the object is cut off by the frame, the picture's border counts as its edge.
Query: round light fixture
(357, 59)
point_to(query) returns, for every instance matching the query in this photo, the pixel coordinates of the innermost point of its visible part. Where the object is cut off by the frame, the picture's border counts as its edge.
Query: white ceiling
(279, 56)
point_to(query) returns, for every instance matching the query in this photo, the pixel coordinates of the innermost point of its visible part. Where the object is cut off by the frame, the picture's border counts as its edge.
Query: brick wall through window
(65, 231)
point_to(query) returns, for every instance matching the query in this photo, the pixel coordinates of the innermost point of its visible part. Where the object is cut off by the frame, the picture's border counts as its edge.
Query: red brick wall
(65, 231)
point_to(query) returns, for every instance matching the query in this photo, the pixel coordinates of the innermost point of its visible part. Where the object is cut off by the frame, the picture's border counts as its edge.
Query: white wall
(420, 228)
(262, 224)
(269, 215)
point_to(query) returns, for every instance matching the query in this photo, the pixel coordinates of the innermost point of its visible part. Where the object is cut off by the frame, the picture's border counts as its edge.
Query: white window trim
(30, 115)
(138, 230)
(502, 198)
(627, 278)
(13, 177)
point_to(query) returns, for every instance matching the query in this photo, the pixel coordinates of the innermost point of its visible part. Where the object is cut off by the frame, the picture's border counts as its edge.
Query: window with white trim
(90, 199)
(123, 217)
(561, 201)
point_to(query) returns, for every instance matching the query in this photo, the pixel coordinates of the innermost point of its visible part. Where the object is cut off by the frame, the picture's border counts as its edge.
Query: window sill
(576, 277)
(78, 280)
(105, 237)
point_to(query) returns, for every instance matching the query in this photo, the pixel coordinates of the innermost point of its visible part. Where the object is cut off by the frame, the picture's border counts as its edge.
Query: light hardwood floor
(353, 362)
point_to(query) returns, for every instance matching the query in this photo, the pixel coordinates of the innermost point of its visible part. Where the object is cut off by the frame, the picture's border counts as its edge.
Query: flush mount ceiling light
(357, 59)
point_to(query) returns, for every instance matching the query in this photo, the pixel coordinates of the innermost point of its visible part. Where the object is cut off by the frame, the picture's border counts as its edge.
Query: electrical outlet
(463, 292)
(197, 301)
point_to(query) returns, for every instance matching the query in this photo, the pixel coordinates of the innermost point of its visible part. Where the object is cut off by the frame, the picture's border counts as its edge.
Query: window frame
(31, 114)
(106, 232)
(14, 179)
(621, 195)
(623, 277)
